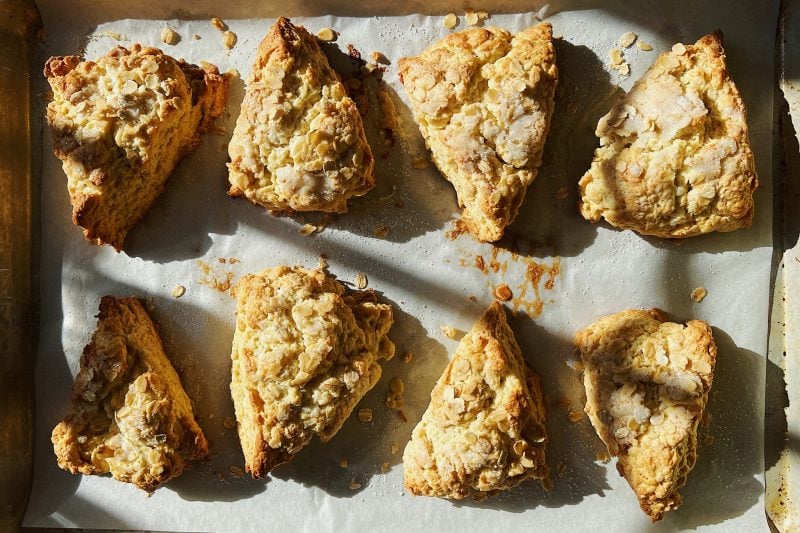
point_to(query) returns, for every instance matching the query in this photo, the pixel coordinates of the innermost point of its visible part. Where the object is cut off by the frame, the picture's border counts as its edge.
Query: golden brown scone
(304, 354)
(674, 157)
(130, 415)
(120, 125)
(299, 142)
(483, 100)
(647, 383)
(484, 428)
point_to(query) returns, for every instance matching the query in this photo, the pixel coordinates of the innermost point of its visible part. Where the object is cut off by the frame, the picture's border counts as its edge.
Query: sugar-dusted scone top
(674, 157)
(483, 99)
(299, 142)
(484, 428)
(304, 354)
(120, 125)
(647, 383)
(130, 416)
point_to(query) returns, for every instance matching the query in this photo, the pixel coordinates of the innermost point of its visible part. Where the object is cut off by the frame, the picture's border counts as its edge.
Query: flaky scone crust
(299, 142)
(304, 354)
(674, 158)
(120, 125)
(483, 100)
(484, 428)
(647, 382)
(129, 415)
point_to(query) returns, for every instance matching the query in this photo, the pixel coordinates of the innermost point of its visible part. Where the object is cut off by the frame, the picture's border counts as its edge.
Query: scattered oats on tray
(483, 99)
(130, 416)
(381, 231)
(674, 158)
(627, 39)
(644, 46)
(178, 291)
(484, 428)
(647, 382)
(117, 162)
(315, 161)
(305, 351)
(229, 39)
(361, 281)
(698, 294)
(219, 24)
(170, 36)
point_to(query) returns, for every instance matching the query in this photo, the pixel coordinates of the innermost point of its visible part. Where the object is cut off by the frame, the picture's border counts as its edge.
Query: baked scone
(674, 157)
(120, 125)
(483, 100)
(304, 354)
(299, 142)
(484, 428)
(647, 383)
(130, 416)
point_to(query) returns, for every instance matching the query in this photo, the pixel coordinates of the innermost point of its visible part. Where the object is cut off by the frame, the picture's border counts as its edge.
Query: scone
(299, 142)
(130, 416)
(647, 383)
(120, 125)
(674, 158)
(483, 100)
(484, 428)
(304, 354)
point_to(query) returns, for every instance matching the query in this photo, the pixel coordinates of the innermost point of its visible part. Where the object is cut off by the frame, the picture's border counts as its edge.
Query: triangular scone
(299, 142)
(120, 125)
(130, 415)
(647, 383)
(304, 354)
(483, 100)
(484, 428)
(674, 157)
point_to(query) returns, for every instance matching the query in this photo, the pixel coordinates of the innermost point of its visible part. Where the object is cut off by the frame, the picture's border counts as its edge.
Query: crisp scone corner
(130, 416)
(120, 126)
(484, 428)
(483, 99)
(304, 354)
(674, 159)
(647, 382)
(299, 142)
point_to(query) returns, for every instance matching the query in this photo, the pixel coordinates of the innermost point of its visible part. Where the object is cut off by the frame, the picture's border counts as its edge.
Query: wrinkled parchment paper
(563, 271)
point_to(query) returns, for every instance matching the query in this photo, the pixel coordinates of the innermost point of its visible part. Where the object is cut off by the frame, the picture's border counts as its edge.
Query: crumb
(471, 17)
(472, 298)
(178, 291)
(698, 294)
(479, 496)
(503, 293)
(236, 471)
(626, 41)
(381, 231)
(219, 24)
(603, 456)
(365, 414)
(483, 14)
(229, 423)
(575, 416)
(644, 46)
(170, 36)
(233, 260)
(708, 440)
(572, 108)
(562, 193)
(395, 448)
(196, 37)
(449, 331)
(343, 462)
(229, 39)
(216, 279)
(450, 21)
(561, 468)
(307, 229)
(354, 485)
(384, 468)
(220, 476)
(397, 386)
(327, 35)
(222, 260)
(616, 57)
(679, 49)
(407, 357)
(625, 69)
(361, 280)
(420, 162)
(547, 484)
(379, 58)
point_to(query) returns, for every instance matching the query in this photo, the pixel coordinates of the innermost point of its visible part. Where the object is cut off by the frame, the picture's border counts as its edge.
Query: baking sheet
(427, 276)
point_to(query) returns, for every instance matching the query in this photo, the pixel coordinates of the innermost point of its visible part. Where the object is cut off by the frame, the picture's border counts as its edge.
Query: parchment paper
(427, 276)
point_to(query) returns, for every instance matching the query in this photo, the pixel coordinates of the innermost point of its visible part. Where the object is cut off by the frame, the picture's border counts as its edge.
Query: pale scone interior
(120, 125)
(647, 382)
(304, 354)
(674, 157)
(484, 428)
(483, 99)
(130, 416)
(299, 142)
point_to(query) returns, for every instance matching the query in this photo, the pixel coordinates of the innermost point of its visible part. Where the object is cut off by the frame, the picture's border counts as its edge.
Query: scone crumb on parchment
(471, 17)
(603, 456)
(327, 35)
(361, 280)
(395, 448)
(381, 231)
(378, 57)
(343, 462)
(229, 423)
(170, 36)
(503, 293)
(236, 471)
(450, 21)
(229, 39)
(616, 57)
(308, 229)
(575, 415)
(449, 331)
(408, 356)
(220, 280)
(561, 468)
(394, 398)
(420, 163)
(627, 39)
(354, 484)
(219, 24)
(365, 414)
(562, 193)
(698, 294)
(384, 467)
(178, 291)
(644, 46)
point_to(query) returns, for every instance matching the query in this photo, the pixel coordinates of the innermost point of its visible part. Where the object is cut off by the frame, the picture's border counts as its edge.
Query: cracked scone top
(647, 382)
(674, 157)
(483, 100)
(120, 125)
(304, 354)
(299, 142)
(130, 416)
(484, 428)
